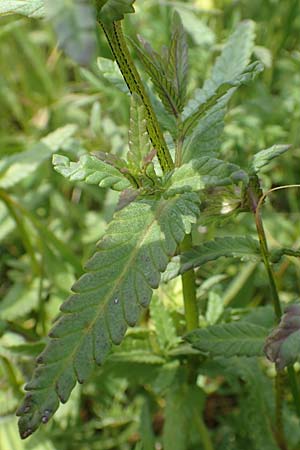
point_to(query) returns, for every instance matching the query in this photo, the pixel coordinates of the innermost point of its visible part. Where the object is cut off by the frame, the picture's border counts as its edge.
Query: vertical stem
(279, 431)
(189, 290)
(117, 43)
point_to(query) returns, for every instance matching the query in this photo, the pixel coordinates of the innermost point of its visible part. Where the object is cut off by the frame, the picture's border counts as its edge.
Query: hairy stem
(117, 43)
(189, 290)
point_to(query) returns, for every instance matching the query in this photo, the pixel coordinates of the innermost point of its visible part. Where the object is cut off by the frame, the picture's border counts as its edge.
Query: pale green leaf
(91, 170)
(29, 8)
(75, 25)
(229, 339)
(263, 157)
(139, 143)
(177, 68)
(118, 283)
(110, 71)
(19, 166)
(203, 173)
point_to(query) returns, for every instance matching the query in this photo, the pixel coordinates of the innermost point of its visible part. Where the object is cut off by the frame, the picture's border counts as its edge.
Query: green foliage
(91, 170)
(263, 157)
(152, 387)
(230, 339)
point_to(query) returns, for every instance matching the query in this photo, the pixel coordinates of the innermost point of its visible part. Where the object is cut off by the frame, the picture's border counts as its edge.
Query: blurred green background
(49, 226)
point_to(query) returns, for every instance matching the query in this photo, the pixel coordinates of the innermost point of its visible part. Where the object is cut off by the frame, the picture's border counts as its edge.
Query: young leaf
(229, 339)
(155, 67)
(168, 71)
(112, 10)
(110, 71)
(118, 283)
(263, 157)
(75, 26)
(283, 344)
(91, 170)
(29, 8)
(139, 143)
(177, 68)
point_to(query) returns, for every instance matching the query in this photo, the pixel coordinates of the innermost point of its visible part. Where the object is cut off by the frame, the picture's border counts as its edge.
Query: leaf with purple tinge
(283, 344)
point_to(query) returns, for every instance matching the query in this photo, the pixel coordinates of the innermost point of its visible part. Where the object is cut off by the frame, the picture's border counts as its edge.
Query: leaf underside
(29, 8)
(229, 339)
(109, 297)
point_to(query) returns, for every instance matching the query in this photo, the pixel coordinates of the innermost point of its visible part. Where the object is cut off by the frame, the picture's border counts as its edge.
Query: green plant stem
(204, 433)
(117, 43)
(278, 312)
(265, 255)
(189, 290)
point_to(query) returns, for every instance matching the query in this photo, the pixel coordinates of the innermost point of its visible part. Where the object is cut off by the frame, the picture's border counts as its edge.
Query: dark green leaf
(109, 297)
(229, 339)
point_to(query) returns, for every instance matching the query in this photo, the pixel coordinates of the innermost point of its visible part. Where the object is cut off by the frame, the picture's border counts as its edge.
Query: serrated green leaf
(91, 170)
(118, 284)
(110, 71)
(155, 67)
(75, 25)
(229, 339)
(112, 10)
(139, 142)
(202, 173)
(221, 93)
(263, 157)
(204, 114)
(29, 8)
(226, 246)
(229, 246)
(230, 64)
(283, 344)
(177, 68)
